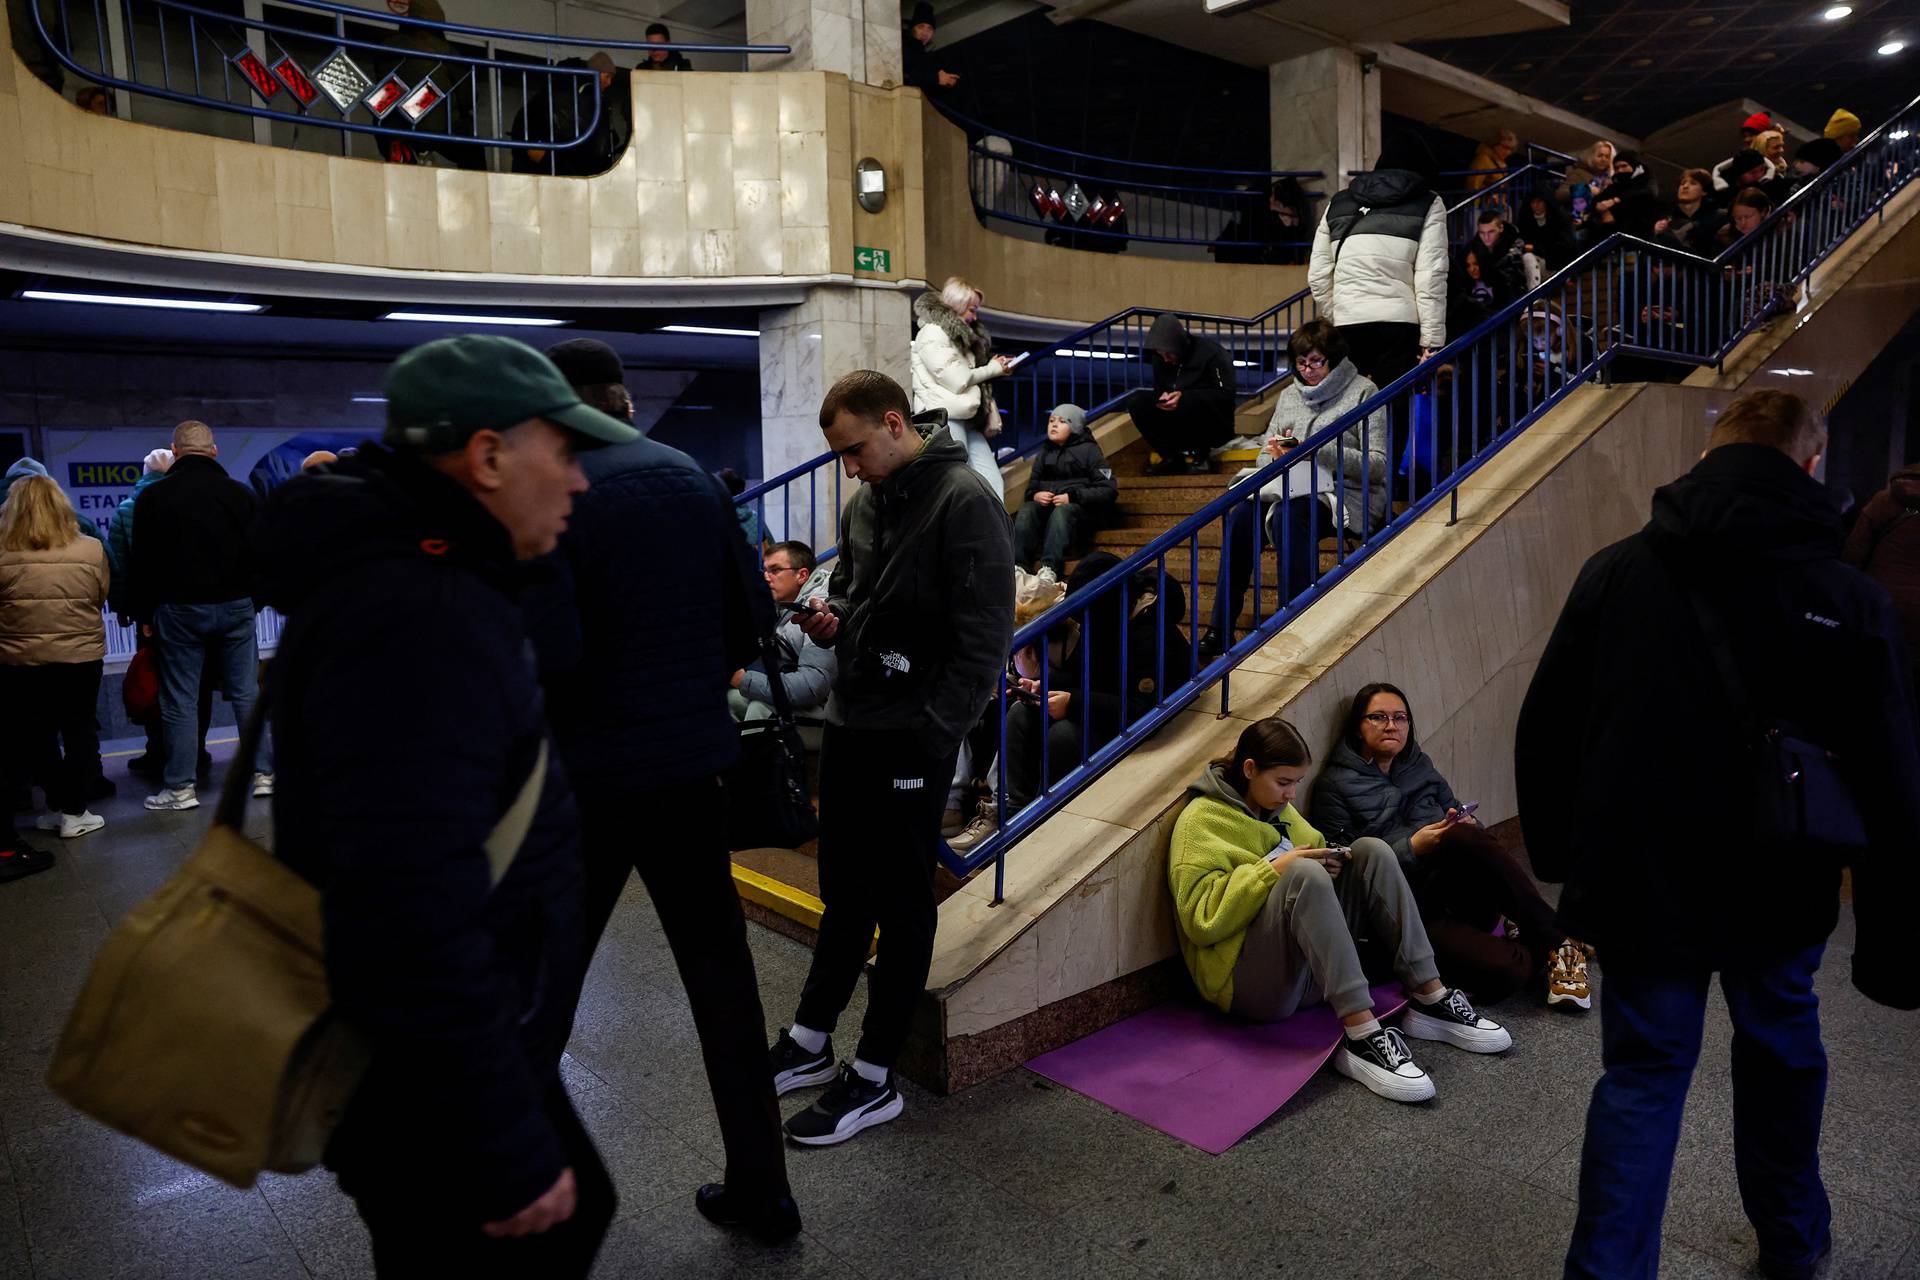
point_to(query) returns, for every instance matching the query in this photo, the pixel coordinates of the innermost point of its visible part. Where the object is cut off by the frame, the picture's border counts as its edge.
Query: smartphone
(1025, 695)
(1465, 811)
(800, 607)
(1014, 362)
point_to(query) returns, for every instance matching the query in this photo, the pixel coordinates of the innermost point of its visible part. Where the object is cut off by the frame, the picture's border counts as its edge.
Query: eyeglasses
(771, 569)
(1314, 361)
(1385, 718)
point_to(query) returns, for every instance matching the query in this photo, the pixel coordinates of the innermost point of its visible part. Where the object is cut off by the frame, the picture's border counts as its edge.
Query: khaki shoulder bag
(204, 1029)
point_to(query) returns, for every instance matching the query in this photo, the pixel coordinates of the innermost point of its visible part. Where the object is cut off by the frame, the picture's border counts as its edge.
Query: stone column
(1324, 109)
(803, 350)
(858, 38)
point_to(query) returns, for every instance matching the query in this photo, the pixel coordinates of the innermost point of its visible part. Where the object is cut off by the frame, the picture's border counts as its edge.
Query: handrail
(1546, 356)
(968, 122)
(329, 79)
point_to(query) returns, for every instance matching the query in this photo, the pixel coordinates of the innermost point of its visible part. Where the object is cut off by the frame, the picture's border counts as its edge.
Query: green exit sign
(865, 259)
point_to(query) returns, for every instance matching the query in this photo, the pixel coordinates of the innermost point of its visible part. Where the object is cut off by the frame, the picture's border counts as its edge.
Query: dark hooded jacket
(1352, 798)
(1380, 252)
(1551, 235)
(1200, 370)
(1638, 194)
(924, 591)
(1078, 469)
(406, 718)
(1632, 759)
(195, 544)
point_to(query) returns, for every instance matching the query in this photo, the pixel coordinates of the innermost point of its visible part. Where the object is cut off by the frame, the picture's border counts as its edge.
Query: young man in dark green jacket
(920, 615)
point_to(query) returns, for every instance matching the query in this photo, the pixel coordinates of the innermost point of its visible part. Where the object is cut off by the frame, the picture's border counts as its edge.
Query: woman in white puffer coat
(953, 362)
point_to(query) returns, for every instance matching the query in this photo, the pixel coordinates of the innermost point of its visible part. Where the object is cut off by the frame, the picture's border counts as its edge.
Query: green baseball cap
(440, 393)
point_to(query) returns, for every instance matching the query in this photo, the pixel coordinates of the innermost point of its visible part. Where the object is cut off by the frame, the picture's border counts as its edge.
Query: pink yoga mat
(1191, 1071)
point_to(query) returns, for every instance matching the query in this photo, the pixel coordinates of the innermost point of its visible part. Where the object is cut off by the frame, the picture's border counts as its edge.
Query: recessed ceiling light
(1522, 66)
(1704, 20)
(1899, 135)
(1765, 55)
(125, 300)
(1836, 12)
(1817, 85)
(1642, 62)
(1891, 47)
(1589, 97)
(711, 333)
(445, 317)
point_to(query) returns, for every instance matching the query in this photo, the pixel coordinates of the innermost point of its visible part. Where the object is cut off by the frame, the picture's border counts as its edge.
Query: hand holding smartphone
(1462, 812)
(798, 607)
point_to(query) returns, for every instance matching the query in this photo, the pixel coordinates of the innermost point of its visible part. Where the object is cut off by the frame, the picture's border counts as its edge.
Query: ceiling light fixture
(1891, 47)
(1704, 20)
(710, 332)
(1093, 355)
(126, 300)
(443, 317)
(1836, 12)
(1899, 135)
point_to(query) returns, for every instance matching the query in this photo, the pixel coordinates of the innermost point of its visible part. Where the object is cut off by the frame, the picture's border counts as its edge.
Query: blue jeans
(185, 636)
(1650, 1039)
(981, 455)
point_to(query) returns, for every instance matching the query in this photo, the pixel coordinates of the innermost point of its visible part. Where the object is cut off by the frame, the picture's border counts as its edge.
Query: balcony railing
(340, 68)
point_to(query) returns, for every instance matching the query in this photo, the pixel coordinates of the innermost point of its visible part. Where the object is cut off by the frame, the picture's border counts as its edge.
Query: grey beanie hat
(1076, 416)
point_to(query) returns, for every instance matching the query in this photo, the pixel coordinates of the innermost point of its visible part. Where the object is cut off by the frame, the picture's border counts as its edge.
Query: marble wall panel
(248, 223)
(710, 182)
(756, 130)
(514, 250)
(14, 204)
(464, 206)
(359, 199)
(60, 199)
(565, 244)
(128, 207)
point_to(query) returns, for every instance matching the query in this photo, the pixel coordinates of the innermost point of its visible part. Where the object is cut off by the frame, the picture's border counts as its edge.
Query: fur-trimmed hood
(970, 338)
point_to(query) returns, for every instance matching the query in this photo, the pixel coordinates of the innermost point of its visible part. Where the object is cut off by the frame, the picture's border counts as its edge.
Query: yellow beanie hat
(1842, 123)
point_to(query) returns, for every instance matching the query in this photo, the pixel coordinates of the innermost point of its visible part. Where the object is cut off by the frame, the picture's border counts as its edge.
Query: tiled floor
(1013, 1178)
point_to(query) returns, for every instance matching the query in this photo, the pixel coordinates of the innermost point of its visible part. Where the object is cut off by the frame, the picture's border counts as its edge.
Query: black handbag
(1800, 793)
(767, 804)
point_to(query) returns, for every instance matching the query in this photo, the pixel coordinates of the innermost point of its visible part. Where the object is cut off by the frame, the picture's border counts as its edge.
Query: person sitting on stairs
(1189, 408)
(1070, 494)
(1345, 487)
(1271, 919)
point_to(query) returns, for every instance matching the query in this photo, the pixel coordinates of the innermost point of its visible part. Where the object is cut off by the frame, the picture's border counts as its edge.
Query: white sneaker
(174, 798)
(1047, 575)
(49, 821)
(262, 785)
(1453, 1020)
(79, 824)
(1384, 1064)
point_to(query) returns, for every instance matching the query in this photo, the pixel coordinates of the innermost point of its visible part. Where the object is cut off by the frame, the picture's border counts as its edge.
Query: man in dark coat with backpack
(1647, 784)
(409, 721)
(639, 695)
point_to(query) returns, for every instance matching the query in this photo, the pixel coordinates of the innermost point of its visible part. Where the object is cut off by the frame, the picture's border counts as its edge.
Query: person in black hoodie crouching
(1190, 406)
(1070, 494)
(409, 719)
(1640, 767)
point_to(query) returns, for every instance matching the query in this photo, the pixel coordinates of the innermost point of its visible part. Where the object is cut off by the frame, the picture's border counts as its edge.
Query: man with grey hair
(192, 592)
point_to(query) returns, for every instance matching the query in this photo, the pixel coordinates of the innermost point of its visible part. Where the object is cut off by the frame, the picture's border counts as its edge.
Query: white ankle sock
(807, 1038)
(1432, 998)
(870, 1073)
(1371, 1027)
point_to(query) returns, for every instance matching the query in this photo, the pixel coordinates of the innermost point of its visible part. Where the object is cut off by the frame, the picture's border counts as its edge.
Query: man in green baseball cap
(408, 716)
(505, 424)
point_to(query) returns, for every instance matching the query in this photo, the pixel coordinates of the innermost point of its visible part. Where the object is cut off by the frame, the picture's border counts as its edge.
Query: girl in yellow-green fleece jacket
(1267, 917)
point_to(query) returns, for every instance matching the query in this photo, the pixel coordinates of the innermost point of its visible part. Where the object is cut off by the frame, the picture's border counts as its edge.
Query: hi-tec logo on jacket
(1825, 622)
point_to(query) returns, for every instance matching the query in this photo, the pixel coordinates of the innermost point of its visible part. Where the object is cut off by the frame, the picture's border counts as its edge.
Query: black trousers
(684, 864)
(1383, 350)
(1463, 887)
(417, 1231)
(1023, 749)
(54, 701)
(1188, 429)
(881, 796)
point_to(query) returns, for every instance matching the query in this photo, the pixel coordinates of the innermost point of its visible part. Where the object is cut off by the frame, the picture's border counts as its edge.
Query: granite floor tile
(215, 1233)
(672, 1241)
(650, 1165)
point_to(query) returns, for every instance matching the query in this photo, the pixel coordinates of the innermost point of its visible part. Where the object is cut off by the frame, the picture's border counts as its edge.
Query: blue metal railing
(424, 94)
(1090, 200)
(1465, 404)
(1095, 368)
(1625, 296)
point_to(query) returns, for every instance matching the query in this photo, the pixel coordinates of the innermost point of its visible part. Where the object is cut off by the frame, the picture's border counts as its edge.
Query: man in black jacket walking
(192, 570)
(1190, 408)
(640, 716)
(409, 719)
(1636, 759)
(921, 614)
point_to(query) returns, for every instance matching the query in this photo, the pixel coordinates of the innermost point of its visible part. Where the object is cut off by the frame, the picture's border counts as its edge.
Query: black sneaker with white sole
(850, 1104)
(1384, 1064)
(1452, 1019)
(795, 1068)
